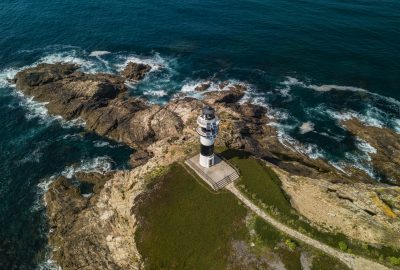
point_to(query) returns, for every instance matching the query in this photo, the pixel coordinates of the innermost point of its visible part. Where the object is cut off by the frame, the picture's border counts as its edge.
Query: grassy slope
(185, 226)
(262, 185)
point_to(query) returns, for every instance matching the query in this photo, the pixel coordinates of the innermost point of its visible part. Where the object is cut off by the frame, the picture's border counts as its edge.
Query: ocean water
(313, 63)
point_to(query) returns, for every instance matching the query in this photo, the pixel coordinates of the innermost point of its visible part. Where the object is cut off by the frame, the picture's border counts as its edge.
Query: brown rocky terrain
(135, 71)
(386, 158)
(98, 231)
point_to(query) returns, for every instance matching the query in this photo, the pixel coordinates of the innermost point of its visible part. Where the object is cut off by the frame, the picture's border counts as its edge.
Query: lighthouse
(208, 125)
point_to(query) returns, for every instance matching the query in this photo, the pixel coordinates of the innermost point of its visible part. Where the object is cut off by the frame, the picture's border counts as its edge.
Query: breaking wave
(98, 53)
(101, 165)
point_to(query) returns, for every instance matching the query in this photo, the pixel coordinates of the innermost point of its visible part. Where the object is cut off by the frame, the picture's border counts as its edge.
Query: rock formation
(99, 100)
(97, 231)
(385, 154)
(135, 71)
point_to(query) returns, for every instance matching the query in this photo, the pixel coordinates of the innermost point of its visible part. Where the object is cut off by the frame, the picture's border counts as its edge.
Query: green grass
(263, 186)
(183, 225)
(323, 261)
(275, 240)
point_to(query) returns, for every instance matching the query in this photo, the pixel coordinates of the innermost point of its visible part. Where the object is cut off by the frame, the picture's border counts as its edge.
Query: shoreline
(161, 135)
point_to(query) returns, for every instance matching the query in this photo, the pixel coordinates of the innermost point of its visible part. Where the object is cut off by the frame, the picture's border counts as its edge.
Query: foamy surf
(99, 164)
(306, 127)
(156, 62)
(102, 164)
(48, 264)
(98, 53)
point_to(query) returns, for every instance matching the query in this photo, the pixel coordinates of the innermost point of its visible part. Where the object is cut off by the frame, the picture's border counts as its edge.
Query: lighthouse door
(210, 162)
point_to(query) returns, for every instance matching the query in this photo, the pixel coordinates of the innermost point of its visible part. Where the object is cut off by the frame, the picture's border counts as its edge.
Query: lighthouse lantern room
(208, 125)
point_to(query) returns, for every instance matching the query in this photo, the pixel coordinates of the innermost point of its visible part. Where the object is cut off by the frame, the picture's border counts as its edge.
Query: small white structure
(208, 125)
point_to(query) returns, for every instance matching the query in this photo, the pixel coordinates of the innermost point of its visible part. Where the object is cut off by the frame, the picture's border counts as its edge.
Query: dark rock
(251, 110)
(135, 71)
(43, 73)
(232, 95)
(139, 158)
(223, 84)
(99, 100)
(203, 86)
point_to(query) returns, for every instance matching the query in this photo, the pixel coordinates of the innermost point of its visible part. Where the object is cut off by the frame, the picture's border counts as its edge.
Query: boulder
(42, 74)
(232, 95)
(202, 86)
(135, 71)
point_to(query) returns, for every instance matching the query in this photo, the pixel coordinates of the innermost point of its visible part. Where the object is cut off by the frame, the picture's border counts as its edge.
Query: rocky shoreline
(98, 231)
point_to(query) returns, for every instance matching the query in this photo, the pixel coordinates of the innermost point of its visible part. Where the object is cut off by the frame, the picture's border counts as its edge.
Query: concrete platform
(217, 176)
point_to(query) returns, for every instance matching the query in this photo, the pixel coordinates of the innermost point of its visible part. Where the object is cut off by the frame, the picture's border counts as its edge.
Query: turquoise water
(311, 62)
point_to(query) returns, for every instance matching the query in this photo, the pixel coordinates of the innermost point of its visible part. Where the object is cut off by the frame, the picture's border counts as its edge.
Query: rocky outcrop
(232, 94)
(135, 71)
(203, 86)
(97, 231)
(99, 100)
(385, 153)
(361, 211)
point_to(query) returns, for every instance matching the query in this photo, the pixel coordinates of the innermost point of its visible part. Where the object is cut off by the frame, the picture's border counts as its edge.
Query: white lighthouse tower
(208, 125)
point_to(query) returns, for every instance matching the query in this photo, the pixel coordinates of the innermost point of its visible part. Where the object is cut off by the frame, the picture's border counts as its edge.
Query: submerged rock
(135, 71)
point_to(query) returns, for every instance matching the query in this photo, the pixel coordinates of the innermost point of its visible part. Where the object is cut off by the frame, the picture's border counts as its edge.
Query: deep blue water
(312, 62)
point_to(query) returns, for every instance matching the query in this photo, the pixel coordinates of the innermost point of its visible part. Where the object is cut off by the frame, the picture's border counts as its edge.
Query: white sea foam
(156, 62)
(396, 124)
(339, 165)
(100, 144)
(361, 162)
(48, 264)
(6, 75)
(365, 147)
(347, 115)
(99, 164)
(70, 57)
(98, 53)
(306, 127)
(33, 156)
(310, 150)
(290, 81)
(155, 93)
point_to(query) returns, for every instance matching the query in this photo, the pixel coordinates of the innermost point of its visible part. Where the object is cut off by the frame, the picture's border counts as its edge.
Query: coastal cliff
(98, 231)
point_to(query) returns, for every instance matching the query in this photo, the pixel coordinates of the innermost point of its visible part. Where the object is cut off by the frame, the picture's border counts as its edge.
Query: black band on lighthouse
(207, 150)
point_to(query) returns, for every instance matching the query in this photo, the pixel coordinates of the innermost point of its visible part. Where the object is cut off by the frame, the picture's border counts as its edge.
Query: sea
(312, 63)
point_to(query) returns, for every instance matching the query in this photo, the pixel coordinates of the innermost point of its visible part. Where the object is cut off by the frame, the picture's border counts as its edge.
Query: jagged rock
(135, 71)
(97, 232)
(386, 142)
(165, 123)
(139, 158)
(75, 229)
(251, 110)
(99, 100)
(202, 86)
(359, 210)
(233, 94)
(42, 74)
